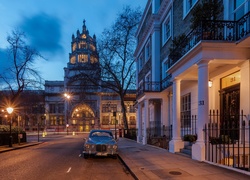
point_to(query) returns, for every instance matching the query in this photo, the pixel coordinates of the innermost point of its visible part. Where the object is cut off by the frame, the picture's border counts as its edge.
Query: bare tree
(116, 69)
(20, 75)
(116, 49)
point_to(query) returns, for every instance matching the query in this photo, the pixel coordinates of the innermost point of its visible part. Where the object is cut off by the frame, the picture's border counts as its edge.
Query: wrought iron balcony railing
(212, 30)
(154, 86)
(149, 86)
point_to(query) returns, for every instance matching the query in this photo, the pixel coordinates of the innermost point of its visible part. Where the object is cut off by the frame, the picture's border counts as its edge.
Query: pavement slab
(151, 162)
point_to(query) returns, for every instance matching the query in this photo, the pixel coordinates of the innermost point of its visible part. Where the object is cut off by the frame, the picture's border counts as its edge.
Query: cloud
(43, 32)
(5, 63)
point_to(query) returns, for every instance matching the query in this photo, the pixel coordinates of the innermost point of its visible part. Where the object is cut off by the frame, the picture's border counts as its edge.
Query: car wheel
(86, 156)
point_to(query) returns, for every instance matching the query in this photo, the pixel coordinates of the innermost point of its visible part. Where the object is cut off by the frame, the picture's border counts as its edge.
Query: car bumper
(100, 153)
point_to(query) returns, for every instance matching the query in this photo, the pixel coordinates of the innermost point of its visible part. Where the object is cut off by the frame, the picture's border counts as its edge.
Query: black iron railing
(166, 82)
(228, 142)
(243, 27)
(130, 133)
(188, 125)
(149, 86)
(154, 86)
(211, 30)
(158, 135)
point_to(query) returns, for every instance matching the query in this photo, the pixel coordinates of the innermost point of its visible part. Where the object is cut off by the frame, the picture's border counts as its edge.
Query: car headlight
(89, 146)
(112, 146)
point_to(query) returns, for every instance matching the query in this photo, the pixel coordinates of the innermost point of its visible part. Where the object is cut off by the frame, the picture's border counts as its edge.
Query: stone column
(146, 118)
(176, 143)
(156, 62)
(139, 124)
(198, 149)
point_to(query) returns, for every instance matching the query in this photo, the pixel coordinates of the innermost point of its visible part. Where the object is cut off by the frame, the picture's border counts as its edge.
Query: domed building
(78, 104)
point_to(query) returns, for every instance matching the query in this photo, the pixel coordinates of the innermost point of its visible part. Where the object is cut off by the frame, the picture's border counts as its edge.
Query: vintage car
(100, 143)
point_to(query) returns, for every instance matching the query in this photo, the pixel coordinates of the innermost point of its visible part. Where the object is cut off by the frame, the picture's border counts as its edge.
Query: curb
(131, 172)
(20, 147)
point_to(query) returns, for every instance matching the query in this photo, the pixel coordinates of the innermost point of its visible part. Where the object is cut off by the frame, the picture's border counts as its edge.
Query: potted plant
(190, 138)
(206, 10)
(177, 46)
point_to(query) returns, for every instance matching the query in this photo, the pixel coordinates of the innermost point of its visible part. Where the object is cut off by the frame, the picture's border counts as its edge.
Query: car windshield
(98, 134)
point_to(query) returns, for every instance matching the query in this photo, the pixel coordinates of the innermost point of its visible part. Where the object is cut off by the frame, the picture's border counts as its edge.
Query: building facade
(194, 79)
(78, 105)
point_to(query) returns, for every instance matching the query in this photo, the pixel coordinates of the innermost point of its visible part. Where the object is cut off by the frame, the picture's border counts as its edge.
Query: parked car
(100, 143)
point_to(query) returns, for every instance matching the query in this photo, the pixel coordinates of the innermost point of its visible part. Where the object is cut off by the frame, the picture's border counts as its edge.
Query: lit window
(105, 120)
(83, 58)
(132, 120)
(186, 110)
(74, 47)
(73, 60)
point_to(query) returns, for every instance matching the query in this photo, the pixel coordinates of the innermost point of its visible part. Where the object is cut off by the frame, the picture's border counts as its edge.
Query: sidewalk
(149, 162)
(6, 148)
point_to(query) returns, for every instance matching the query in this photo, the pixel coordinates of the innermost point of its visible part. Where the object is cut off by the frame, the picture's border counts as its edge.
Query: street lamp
(114, 114)
(67, 97)
(10, 110)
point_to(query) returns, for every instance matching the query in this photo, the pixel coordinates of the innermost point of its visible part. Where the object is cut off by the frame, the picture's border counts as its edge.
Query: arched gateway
(82, 118)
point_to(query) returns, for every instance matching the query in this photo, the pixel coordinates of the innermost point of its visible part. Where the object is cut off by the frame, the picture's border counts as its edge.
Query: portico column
(198, 149)
(176, 143)
(145, 124)
(139, 123)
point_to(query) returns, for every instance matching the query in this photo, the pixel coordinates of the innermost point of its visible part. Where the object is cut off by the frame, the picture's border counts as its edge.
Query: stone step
(188, 147)
(186, 151)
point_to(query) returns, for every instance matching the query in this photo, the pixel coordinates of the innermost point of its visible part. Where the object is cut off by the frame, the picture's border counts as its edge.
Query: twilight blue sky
(49, 25)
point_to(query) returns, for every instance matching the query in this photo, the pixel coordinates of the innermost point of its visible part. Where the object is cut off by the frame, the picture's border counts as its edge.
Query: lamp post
(10, 110)
(67, 97)
(114, 114)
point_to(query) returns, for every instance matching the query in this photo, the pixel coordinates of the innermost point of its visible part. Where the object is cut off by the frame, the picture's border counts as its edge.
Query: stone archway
(82, 118)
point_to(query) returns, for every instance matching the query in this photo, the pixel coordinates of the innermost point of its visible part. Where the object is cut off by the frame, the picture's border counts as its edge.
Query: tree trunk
(124, 110)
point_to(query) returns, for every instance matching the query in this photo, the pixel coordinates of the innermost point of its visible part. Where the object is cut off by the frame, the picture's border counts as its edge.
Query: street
(58, 157)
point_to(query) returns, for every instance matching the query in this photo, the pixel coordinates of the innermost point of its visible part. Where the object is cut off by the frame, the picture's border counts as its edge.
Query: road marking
(69, 170)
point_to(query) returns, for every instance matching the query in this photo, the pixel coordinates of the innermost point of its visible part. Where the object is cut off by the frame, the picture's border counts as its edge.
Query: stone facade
(78, 105)
(215, 53)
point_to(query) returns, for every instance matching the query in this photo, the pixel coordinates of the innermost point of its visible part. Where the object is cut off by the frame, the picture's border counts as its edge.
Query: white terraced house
(193, 78)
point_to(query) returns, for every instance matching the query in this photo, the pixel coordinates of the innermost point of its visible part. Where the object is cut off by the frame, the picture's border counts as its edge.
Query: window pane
(238, 3)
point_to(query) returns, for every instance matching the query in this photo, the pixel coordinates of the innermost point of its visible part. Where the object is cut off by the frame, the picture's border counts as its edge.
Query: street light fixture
(10, 110)
(67, 97)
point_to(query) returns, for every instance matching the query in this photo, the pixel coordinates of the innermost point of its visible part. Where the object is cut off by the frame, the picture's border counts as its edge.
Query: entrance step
(187, 150)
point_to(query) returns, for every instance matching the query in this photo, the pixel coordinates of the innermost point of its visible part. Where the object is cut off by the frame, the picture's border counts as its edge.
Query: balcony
(154, 86)
(221, 31)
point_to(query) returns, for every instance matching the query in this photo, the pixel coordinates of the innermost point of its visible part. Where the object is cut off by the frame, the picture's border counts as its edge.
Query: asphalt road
(59, 158)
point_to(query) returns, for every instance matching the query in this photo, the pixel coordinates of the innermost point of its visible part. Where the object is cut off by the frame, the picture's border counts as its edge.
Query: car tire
(86, 156)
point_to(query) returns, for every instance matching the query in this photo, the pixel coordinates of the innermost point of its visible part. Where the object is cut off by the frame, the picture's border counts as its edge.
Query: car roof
(100, 130)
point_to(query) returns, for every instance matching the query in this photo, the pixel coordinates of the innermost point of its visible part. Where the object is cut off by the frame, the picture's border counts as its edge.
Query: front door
(230, 109)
